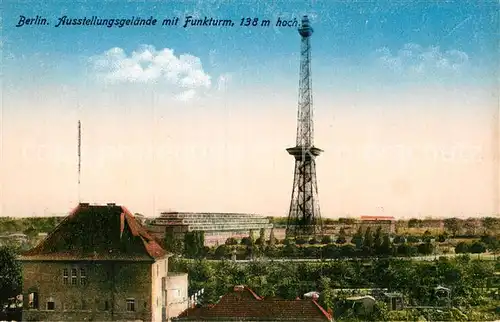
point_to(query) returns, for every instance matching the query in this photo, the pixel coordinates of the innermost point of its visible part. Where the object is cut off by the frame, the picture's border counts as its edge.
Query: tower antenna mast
(304, 218)
(79, 156)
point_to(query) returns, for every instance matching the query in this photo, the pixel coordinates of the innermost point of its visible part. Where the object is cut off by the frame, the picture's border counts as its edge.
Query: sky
(198, 118)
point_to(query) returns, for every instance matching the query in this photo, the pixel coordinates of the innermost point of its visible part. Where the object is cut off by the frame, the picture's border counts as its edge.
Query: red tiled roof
(245, 305)
(92, 232)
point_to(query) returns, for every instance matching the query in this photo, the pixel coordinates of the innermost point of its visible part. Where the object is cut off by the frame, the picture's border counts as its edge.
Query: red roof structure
(243, 304)
(98, 232)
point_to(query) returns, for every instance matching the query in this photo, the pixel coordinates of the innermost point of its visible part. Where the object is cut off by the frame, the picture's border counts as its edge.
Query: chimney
(84, 204)
(239, 288)
(111, 204)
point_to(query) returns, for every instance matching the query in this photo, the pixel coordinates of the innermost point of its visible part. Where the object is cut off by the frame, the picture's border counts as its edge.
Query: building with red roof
(99, 264)
(243, 304)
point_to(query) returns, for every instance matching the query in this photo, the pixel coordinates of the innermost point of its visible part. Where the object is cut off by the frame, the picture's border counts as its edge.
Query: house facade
(99, 264)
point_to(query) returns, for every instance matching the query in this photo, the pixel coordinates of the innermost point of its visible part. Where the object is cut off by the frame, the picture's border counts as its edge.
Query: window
(176, 293)
(73, 276)
(106, 306)
(65, 276)
(51, 305)
(33, 300)
(158, 269)
(131, 305)
(83, 276)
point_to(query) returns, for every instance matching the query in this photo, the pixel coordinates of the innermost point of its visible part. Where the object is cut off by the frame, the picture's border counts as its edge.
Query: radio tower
(304, 218)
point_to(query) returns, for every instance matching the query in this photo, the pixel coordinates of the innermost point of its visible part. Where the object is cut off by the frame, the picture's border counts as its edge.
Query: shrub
(326, 239)
(399, 240)
(300, 241)
(461, 248)
(413, 239)
(246, 241)
(477, 247)
(313, 241)
(341, 240)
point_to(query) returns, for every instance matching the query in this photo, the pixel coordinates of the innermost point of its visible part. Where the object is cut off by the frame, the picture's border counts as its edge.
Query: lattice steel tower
(304, 218)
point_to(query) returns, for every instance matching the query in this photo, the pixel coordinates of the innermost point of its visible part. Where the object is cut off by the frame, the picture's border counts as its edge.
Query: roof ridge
(322, 310)
(257, 297)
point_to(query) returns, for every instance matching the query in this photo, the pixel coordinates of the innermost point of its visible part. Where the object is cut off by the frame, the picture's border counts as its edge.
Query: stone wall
(102, 296)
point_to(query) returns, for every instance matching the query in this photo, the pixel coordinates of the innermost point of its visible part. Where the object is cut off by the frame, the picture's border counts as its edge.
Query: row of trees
(416, 280)
(191, 246)
(366, 243)
(30, 226)
(363, 244)
(454, 226)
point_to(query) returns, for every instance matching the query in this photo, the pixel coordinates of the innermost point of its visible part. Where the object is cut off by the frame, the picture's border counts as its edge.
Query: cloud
(147, 65)
(186, 95)
(415, 59)
(223, 82)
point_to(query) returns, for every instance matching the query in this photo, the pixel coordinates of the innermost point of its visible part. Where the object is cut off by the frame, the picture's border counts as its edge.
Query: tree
(377, 240)
(262, 235)
(414, 223)
(272, 238)
(252, 236)
(406, 250)
(223, 251)
(330, 251)
(173, 244)
(193, 243)
(386, 247)
(368, 242)
(341, 239)
(357, 239)
(491, 223)
(453, 225)
(290, 251)
(10, 275)
(327, 295)
(425, 248)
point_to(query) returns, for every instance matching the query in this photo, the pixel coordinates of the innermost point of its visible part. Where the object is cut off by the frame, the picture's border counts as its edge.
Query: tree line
(368, 243)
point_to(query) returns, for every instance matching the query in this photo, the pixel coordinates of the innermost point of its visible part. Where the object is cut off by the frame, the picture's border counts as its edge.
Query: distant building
(99, 264)
(140, 218)
(387, 223)
(242, 304)
(218, 227)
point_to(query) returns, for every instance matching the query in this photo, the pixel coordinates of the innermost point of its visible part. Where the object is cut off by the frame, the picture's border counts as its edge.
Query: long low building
(218, 227)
